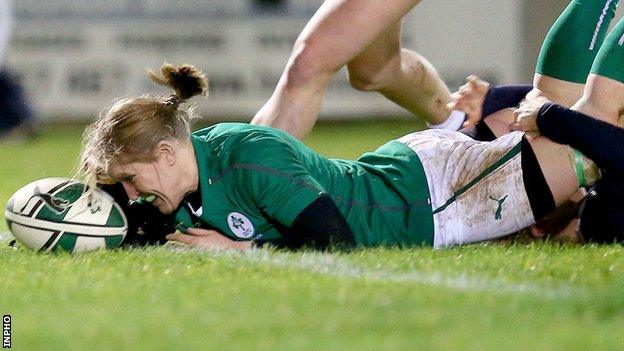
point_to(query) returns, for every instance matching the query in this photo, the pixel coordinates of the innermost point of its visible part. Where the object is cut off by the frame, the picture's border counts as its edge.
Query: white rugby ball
(55, 214)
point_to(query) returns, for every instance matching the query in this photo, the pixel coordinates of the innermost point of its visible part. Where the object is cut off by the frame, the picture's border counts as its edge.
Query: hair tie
(172, 101)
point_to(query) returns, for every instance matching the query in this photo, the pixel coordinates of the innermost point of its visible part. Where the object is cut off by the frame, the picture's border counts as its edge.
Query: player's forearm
(321, 225)
(324, 223)
(598, 140)
(504, 96)
(496, 121)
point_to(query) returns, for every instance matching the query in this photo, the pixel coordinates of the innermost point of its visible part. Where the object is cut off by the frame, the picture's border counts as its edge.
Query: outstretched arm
(274, 184)
(478, 99)
(598, 140)
(320, 226)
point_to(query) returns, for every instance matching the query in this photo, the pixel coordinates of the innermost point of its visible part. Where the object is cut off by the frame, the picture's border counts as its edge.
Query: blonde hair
(132, 127)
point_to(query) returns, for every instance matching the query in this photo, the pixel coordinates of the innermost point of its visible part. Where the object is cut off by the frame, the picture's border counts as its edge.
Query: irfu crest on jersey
(240, 225)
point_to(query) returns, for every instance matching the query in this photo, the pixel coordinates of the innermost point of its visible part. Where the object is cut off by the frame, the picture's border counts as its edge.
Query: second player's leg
(401, 75)
(338, 32)
(569, 50)
(603, 97)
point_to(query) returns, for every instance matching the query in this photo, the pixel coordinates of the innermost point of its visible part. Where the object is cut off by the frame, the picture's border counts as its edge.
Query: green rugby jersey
(254, 179)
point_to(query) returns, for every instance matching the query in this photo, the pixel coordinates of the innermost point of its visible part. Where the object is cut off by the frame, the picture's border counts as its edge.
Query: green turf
(539, 296)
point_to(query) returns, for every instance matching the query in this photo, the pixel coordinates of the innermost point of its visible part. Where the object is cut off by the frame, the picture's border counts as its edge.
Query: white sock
(454, 121)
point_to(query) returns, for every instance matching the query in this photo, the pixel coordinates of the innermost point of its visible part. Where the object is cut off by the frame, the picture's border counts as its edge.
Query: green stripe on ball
(67, 242)
(113, 241)
(70, 193)
(115, 218)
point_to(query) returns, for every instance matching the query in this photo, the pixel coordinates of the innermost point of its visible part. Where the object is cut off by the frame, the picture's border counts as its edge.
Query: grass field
(539, 296)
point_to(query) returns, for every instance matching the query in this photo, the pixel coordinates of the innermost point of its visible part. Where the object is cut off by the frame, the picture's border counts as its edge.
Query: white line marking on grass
(332, 266)
(326, 264)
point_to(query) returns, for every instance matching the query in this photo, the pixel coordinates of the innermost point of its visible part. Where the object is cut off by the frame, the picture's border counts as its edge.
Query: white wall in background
(75, 57)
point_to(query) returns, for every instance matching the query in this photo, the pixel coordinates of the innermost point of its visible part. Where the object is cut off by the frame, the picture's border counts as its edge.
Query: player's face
(154, 181)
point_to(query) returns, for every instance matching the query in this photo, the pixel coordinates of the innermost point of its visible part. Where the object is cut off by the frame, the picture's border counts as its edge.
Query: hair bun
(186, 80)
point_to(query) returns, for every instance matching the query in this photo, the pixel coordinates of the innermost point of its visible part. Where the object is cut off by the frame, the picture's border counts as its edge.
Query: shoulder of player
(239, 131)
(240, 139)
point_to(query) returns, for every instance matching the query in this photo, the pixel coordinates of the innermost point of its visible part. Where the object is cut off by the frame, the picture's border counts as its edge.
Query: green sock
(574, 39)
(610, 59)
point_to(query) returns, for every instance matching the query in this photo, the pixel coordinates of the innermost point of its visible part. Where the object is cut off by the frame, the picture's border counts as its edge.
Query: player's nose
(133, 194)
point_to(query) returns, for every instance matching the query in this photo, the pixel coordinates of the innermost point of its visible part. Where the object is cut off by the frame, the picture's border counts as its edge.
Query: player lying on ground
(561, 43)
(365, 35)
(575, 17)
(241, 183)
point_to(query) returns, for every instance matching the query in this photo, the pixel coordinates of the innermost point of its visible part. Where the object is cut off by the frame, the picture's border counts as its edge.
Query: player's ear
(166, 151)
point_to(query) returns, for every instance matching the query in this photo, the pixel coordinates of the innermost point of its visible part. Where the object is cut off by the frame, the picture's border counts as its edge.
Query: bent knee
(376, 76)
(370, 77)
(364, 81)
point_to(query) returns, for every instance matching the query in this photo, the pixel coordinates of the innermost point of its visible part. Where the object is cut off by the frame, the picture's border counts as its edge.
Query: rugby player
(564, 66)
(583, 22)
(574, 11)
(234, 184)
(564, 62)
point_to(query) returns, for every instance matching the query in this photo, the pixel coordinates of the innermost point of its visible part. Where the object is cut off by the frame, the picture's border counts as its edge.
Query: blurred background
(72, 57)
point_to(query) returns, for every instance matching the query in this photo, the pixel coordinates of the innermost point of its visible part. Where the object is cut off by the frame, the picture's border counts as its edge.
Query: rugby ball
(58, 214)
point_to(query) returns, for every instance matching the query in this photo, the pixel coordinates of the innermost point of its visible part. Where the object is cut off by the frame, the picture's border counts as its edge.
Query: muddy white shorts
(476, 188)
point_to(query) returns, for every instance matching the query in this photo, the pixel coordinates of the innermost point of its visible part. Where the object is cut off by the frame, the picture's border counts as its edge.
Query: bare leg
(603, 99)
(556, 90)
(347, 25)
(402, 76)
(569, 49)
